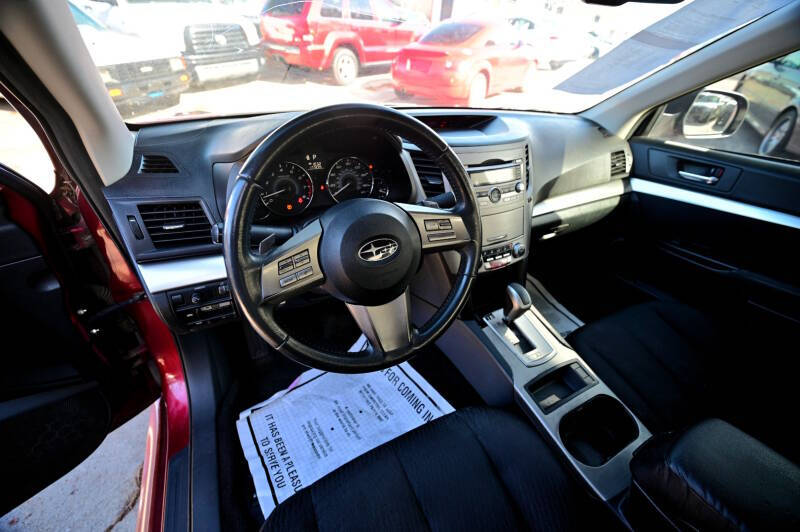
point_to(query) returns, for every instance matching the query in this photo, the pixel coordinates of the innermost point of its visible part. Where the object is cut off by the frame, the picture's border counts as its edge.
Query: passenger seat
(674, 366)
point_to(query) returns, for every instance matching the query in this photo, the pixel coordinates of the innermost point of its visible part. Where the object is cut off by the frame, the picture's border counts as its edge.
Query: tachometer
(349, 177)
(287, 190)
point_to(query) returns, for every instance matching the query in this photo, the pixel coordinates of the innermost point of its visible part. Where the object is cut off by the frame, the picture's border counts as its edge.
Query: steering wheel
(363, 251)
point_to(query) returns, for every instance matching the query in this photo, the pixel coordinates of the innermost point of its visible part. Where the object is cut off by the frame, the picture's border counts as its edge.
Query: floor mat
(324, 420)
(562, 319)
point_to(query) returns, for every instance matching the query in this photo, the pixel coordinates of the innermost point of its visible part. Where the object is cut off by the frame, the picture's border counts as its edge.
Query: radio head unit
(500, 189)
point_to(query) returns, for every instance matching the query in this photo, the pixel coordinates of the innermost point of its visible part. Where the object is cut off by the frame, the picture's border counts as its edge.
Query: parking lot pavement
(101, 494)
(291, 89)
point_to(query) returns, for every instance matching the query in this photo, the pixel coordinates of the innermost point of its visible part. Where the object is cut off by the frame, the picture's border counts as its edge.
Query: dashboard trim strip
(179, 273)
(569, 200)
(642, 186)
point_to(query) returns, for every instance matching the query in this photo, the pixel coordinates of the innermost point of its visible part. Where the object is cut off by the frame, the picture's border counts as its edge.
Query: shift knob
(518, 300)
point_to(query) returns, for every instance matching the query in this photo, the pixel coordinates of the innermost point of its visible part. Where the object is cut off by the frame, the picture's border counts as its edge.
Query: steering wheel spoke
(439, 229)
(387, 326)
(293, 267)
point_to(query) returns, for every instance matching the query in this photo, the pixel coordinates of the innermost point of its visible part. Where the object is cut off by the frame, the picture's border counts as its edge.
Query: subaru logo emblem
(378, 250)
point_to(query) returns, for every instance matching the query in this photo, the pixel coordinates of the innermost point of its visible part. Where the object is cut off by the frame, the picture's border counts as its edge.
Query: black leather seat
(475, 469)
(674, 366)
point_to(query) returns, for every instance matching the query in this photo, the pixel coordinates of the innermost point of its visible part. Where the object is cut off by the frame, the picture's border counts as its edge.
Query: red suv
(341, 35)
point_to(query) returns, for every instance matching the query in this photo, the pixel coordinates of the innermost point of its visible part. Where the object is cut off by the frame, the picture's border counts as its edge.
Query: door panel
(58, 398)
(751, 180)
(732, 254)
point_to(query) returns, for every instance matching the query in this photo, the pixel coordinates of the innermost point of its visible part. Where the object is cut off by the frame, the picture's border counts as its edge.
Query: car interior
(619, 341)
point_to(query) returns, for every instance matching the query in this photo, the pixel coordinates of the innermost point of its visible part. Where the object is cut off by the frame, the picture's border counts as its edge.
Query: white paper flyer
(324, 420)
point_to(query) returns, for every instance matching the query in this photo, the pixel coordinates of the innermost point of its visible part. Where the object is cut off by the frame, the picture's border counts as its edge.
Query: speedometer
(349, 177)
(287, 190)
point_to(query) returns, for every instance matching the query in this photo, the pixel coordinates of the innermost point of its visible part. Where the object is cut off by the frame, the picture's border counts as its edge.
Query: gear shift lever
(518, 300)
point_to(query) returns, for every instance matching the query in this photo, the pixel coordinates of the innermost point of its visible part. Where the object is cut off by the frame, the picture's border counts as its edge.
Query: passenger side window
(360, 9)
(751, 113)
(331, 8)
(22, 151)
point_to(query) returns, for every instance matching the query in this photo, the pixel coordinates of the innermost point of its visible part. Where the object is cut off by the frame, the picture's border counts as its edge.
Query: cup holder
(597, 430)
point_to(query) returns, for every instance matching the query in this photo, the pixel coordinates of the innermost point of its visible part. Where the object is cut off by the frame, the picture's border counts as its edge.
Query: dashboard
(535, 176)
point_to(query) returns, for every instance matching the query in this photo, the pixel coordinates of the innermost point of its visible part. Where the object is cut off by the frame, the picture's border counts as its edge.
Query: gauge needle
(273, 193)
(341, 189)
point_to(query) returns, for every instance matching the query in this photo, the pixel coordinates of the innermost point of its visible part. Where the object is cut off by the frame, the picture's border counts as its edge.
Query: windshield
(161, 60)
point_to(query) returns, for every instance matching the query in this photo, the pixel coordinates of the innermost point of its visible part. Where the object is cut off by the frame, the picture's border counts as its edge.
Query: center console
(551, 382)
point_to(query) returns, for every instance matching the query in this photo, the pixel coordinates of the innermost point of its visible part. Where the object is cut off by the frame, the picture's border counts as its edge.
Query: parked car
(555, 44)
(340, 35)
(216, 42)
(773, 90)
(138, 76)
(464, 61)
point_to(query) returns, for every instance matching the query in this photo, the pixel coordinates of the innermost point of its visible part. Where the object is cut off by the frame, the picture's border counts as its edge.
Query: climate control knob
(518, 250)
(519, 187)
(495, 195)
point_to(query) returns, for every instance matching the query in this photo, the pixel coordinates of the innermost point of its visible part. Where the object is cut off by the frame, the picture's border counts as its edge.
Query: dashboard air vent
(176, 224)
(527, 166)
(618, 163)
(430, 175)
(157, 164)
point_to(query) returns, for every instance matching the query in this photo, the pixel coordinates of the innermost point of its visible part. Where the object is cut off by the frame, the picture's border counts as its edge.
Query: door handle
(705, 179)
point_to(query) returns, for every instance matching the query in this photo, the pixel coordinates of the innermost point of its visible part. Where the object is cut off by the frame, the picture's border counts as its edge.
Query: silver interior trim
(177, 273)
(386, 326)
(607, 480)
(642, 186)
(608, 190)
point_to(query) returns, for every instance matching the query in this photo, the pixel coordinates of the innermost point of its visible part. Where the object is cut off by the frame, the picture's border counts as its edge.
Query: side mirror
(714, 113)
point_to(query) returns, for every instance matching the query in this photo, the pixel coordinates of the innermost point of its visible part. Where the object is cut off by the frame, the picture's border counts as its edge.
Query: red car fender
(335, 39)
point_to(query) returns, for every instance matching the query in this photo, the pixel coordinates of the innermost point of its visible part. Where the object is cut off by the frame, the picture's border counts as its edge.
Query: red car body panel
(309, 39)
(168, 432)
(445, 71)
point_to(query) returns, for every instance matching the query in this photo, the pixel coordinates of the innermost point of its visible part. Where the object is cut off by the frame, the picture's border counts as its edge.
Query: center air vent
(157, 164)
(618, 163)
(176, 224)
(430, 175)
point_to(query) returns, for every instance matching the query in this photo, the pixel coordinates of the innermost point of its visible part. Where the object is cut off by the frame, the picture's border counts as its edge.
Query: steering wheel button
(305, 272)
(301, 258)
(285, 265)
(441, 236)
(289, 279)
(431, 225)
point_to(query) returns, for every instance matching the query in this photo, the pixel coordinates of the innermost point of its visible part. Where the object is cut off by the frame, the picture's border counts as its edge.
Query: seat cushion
(475, 469)
(674, 366)
(658, 358)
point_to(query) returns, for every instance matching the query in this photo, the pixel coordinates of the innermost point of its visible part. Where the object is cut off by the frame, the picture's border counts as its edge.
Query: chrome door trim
(651, 188)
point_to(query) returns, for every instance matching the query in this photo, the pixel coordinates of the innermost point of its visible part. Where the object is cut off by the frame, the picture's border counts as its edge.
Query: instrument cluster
(317, 178)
